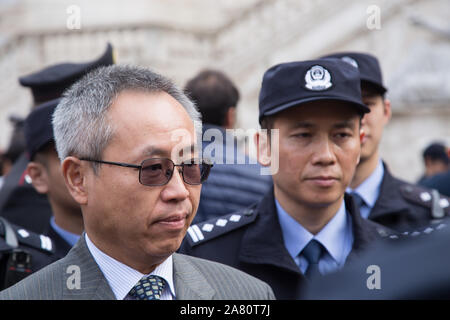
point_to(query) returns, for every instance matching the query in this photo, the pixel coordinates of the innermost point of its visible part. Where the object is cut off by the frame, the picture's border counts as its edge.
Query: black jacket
(252, 241)
(39, 248)
(62, 247)
(403, 206)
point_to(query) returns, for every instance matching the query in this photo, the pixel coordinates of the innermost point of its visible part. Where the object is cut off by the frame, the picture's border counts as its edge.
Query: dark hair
(372, 89)
(213, 93)
(437, 152)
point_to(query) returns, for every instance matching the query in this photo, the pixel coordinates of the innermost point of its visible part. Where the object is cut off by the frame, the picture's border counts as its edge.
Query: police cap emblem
(317, 78)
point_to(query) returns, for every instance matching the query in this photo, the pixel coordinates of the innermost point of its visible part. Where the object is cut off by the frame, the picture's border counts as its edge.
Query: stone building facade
(244, 38)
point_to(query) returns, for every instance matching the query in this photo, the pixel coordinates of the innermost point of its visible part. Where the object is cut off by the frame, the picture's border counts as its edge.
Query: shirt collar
(333, 236)
(122, 278)
(69, 237)
(369, 190)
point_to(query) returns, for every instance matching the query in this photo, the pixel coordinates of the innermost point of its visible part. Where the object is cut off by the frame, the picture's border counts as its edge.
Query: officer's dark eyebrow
(345, 125)
(303, 124)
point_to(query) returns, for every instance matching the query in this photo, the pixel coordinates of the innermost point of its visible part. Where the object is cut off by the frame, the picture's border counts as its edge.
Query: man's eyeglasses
(158, 171)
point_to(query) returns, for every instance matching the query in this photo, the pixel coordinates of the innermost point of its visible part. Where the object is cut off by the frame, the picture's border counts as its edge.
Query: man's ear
(387, 109)
(361, 137)
(263, 148)
(74, 174)
(39, 177)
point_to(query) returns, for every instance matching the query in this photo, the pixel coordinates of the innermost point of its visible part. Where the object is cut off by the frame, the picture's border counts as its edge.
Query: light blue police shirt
(336, 237)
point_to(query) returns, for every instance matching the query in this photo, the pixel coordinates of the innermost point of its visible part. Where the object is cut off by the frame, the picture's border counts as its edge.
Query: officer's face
(45, 172)
(319, 147)
(373, 123)
(136, 224)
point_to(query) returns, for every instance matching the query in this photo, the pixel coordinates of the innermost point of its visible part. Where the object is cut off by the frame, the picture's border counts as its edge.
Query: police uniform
(253, 240)
(400, 205)
(403, 206)
(22, 252)
(19, 201)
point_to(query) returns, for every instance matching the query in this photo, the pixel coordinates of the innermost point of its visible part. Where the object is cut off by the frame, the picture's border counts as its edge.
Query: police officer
(44, 169)
(22, 252)
(382, 197)
(304, 225)
(19, 202)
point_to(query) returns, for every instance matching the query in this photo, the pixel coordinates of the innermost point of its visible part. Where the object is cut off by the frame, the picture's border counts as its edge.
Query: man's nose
(175, 189)
(324, 152)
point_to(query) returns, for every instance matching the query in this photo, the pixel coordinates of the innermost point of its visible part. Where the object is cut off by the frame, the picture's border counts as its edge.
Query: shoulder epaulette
(429, 198)
(213, 228)
(435, 225)
(27, 238)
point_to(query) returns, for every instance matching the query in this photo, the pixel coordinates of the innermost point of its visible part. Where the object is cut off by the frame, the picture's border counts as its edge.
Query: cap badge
(317, 78)
(350, 61)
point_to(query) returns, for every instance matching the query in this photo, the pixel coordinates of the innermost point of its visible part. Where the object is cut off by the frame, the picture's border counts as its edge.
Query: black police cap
(368, 66)
(38, 127)
(290, 84)
(51, 82)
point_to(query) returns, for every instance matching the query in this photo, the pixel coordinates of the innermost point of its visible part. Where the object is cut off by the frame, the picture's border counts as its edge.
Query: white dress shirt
(122, 278)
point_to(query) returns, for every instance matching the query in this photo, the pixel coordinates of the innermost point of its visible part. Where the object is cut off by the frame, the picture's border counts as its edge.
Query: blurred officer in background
(381, 197)
(304, 225)
(15, 147)
(66, 224)
(440, 181)
(230, 187)
(435, 160)
(19, 202)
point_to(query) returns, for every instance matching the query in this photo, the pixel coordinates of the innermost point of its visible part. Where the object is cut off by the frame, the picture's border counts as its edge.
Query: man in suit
(304, 225)
(66, 223)
(232, 185)
(381, 196)
(127, 137)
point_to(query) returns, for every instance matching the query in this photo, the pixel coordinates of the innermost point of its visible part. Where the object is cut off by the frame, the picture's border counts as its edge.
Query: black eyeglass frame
(135, 166)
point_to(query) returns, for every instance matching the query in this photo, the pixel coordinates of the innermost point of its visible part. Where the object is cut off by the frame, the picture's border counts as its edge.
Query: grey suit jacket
(194, 278)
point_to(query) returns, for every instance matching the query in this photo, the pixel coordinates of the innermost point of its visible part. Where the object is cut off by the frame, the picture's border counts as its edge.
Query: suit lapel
(190, 284)
(93, 284)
